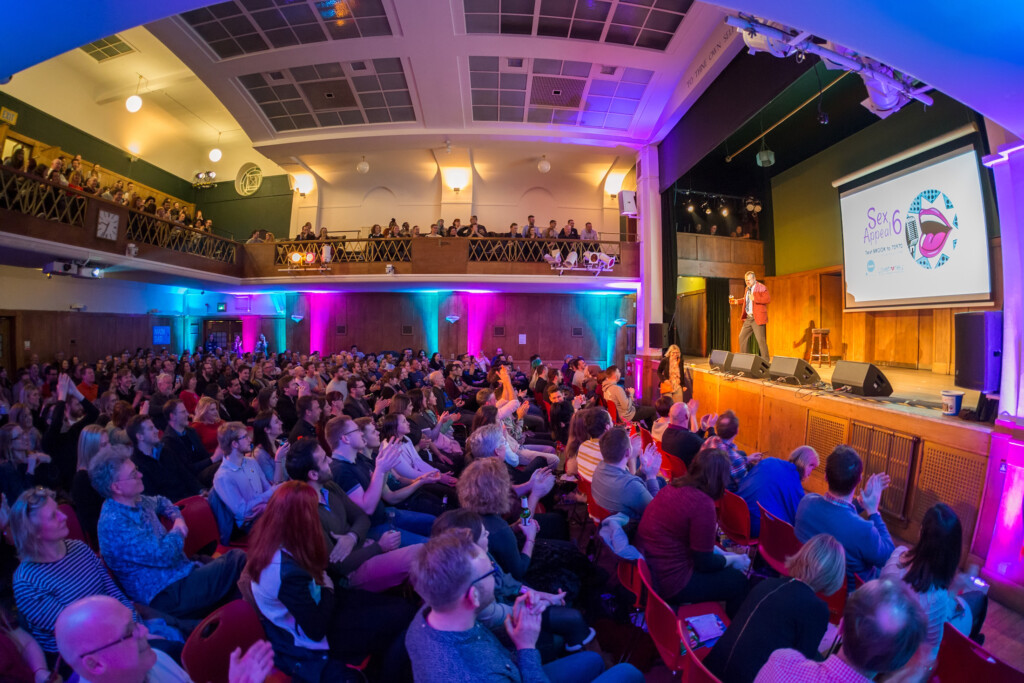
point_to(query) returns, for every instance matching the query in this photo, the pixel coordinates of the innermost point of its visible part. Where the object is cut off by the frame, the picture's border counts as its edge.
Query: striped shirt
(587, 458)
(43, 589)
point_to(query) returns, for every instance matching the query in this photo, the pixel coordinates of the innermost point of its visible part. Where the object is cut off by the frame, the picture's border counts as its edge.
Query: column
(649, 305)
(1008, 170)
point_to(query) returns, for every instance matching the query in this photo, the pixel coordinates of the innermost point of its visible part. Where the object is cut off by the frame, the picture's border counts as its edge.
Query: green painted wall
(270, 208)
(806, 206)
(39, 125)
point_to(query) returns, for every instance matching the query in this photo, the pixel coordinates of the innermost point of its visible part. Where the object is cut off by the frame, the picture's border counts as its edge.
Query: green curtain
(719, 328)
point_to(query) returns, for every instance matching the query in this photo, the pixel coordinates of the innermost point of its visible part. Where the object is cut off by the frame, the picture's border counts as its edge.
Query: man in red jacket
(755, 314)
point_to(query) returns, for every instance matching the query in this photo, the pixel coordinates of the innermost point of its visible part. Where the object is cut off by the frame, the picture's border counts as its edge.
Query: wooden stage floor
(919, 390)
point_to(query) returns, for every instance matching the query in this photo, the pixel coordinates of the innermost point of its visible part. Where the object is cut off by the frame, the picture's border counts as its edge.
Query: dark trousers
(978, 602)
(202, 591)
(760, 336)
(645, 414)
(372, 623)
(726, 584)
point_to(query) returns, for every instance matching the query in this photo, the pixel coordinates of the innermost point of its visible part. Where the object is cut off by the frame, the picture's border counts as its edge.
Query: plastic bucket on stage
(951, 401)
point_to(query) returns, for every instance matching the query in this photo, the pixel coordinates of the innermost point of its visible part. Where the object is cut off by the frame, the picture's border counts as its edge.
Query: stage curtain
(719, 331)
(670, 264)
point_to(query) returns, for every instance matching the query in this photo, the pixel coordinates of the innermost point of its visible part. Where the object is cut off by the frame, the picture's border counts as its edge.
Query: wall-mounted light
(456, 178)
(303, 184)
(296, 318)
(363, 167)
(619, 322)
(544, 165)
(613, 183)
(452, 319)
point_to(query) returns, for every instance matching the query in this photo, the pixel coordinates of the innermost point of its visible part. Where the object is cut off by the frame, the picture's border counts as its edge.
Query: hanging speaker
(656, 335)
(862, 379)
(748, 365)
(627, 203)
(793, 371)
(979, 345)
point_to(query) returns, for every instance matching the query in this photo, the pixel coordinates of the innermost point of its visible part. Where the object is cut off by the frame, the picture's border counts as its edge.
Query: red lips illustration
(934, 231)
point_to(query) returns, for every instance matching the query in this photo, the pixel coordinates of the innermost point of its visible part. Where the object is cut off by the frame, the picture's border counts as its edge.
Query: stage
(918, 392)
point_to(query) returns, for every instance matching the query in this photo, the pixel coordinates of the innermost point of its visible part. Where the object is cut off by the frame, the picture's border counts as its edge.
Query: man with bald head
(677, 438)
(98, 638)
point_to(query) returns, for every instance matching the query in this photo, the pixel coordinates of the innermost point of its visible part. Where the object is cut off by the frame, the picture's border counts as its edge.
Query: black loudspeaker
(656, 335)
(720, 360)
(863, 379)
(979, 350)
(793, 371)
(749, 365)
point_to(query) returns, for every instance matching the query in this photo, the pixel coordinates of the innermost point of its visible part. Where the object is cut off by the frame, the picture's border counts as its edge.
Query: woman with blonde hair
(206, 421)
(20, 466)
(85, 498)
(21, 414)
(672, 372)
(782, 613)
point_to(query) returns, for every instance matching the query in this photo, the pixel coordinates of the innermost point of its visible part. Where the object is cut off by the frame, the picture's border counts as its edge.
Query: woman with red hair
(317, 630)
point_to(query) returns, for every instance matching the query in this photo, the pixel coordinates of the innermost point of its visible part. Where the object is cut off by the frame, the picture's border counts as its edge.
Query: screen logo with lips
(932, 229)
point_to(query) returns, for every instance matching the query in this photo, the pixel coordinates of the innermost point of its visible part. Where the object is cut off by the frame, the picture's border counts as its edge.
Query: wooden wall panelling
(784, 427)
(692, 322)
(744, 399)
(747, 251)
(831, 317)
(942, 341)
(793, 311)
(926, 338)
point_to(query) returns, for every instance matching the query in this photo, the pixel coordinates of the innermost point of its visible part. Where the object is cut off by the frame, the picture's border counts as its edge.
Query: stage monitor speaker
(749, 365)
(720, 360)
(656, 335)
(979, 346)
(863, 379)
(793, 371)
(627, 203)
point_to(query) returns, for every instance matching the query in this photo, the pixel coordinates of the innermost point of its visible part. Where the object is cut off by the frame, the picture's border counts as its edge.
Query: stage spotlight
(749, 203)
(310, 256)
(707, 208)
(689, 206)
(724, 209)
(296, 257)
(757, 206)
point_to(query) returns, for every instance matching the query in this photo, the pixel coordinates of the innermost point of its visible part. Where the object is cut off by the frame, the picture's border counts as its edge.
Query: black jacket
(166, 475)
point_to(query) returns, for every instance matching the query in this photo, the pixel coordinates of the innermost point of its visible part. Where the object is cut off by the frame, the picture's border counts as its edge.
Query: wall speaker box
(627, 203)
(793, 371)
(749, 365)
(720, 360)
(864, 379)
(656, 335)
(979, 350)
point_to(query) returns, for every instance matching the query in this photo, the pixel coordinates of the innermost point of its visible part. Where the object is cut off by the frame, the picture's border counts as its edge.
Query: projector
(60, 268)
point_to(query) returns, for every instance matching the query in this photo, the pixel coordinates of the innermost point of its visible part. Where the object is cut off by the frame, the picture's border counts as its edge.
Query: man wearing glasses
(97, 637)
(447, 644)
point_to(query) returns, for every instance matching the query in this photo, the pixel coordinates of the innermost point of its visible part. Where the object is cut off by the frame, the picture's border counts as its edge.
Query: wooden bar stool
(821, 349)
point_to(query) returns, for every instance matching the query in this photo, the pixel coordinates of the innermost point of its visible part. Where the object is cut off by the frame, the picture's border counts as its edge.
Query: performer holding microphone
(755, 314)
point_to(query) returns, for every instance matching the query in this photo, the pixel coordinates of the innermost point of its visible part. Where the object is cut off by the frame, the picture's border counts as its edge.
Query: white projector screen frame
(886, 264)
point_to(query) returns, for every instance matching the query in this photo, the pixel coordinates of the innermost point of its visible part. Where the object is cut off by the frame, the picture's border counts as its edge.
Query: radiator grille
(954, 477)
(824, 433)
(883, 450)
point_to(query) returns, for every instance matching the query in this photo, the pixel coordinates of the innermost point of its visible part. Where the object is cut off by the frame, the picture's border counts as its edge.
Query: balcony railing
(33, 196)
(148, 229)
(560, 254)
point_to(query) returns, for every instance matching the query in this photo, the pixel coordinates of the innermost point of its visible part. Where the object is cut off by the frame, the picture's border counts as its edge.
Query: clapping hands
(871, 494)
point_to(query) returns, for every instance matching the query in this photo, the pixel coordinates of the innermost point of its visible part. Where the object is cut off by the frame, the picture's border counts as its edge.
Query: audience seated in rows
(368, 497)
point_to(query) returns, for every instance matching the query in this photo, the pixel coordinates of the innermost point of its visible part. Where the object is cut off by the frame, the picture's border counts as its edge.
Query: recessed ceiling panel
(649, 24)
(332, 94)
(250, 26)
(564, 92)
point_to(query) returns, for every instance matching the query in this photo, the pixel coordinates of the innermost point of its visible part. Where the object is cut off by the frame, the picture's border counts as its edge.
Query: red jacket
(760, 306)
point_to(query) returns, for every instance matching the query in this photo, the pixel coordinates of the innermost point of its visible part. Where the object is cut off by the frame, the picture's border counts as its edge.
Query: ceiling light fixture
(134, 102)
(215, 153)
(544, 165)
(765, 157)
(363, 167)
